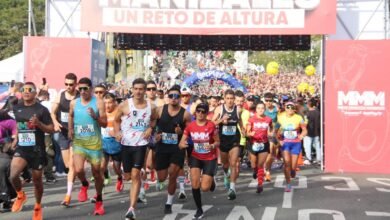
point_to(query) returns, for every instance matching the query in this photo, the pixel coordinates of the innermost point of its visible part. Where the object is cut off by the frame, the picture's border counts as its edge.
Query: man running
(172, 119)
(134, 124)
(86, 117)
(59, 115)
(203, 159)
(33, 121)
(271, 111)
(228, 118)
(111, 147)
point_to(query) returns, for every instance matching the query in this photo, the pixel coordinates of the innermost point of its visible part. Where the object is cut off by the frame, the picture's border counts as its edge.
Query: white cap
(185, 90)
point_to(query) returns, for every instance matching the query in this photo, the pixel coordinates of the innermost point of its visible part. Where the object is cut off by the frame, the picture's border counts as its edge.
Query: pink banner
(210, 17)
(357, 118)
(53, 58)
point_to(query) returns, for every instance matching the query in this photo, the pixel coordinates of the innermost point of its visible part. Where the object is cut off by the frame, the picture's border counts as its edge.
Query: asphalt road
(315, 195)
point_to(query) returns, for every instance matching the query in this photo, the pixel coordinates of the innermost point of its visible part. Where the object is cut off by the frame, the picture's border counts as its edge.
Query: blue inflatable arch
(214, 74)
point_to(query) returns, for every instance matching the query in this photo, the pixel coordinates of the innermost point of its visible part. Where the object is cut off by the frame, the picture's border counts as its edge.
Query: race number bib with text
(64, 116)
(26, 139)
(291, 135)
(85, 130)
(201, 148)
(229, 130)
(256, 147)
(169, 138)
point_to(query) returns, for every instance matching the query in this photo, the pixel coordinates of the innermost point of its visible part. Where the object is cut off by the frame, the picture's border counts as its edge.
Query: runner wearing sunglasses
(291, 132)
(203, 159)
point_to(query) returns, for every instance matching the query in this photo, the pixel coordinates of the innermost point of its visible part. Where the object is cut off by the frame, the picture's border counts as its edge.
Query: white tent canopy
(12, 68)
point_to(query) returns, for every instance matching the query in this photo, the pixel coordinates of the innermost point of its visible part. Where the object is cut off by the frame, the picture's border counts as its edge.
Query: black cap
(203, 106)
(250, 98)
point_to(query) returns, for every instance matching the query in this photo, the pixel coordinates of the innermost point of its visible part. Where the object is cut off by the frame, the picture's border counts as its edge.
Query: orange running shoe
(83, 194)
(19, 202)
(37, 215)
(66, 201)
(268, 176)
(99, 208)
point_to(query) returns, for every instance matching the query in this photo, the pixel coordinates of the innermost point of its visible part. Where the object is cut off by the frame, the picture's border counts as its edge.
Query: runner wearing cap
(203, 159)
(271, 111)
(291, 132)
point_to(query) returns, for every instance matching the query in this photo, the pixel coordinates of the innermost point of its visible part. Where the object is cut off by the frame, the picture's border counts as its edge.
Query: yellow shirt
(245, 115)
(290, 127)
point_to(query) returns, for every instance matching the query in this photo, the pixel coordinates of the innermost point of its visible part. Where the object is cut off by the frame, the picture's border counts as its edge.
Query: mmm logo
(355, 98)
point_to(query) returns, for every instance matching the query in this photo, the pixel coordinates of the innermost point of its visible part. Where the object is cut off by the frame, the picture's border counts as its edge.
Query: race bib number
(201, 148)
(256, 147)
(169, 138)
(26, 139)
(85, 130)
(106, 132)
(229, 130)
(291, 135)
(64, 116)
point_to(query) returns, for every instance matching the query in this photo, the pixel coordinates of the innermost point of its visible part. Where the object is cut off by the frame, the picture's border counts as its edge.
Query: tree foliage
(14, 24)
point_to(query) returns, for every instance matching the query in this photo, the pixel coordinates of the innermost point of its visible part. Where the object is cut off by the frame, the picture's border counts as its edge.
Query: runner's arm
(118, 121)
(216, 117)
(70, 120)
(102, 119)
(53, 114)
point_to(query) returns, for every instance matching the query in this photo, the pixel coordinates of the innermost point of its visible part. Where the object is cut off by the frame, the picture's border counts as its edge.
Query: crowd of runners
(151, 134)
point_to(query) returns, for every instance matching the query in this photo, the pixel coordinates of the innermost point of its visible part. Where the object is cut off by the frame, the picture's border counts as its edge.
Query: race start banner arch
(210, 17)
(214, 74)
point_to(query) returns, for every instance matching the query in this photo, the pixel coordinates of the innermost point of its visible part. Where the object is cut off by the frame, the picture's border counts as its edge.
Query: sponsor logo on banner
(207, 14)
(355, 103)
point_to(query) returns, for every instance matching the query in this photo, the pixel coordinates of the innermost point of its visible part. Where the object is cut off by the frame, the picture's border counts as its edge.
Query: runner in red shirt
(258, 129)
(203, 158)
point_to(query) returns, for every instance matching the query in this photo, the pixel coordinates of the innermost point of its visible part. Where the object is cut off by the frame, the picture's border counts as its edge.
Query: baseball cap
(290, 103)
(250, 98)
(185, 90)
(203, 106)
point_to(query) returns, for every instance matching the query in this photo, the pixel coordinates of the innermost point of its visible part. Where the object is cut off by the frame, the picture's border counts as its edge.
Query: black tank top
(166, 126)
(229, 132)
(63, 110)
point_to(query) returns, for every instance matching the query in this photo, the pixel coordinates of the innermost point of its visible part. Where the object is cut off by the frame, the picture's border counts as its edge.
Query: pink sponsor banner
(357, 105)
(210, 17)
(53, 58)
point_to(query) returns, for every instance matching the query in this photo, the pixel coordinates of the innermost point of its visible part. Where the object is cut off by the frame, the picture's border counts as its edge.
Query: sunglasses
(174, 96)
(185, 95)
(201, 111)
(27, 89)
(84, 88)
(151, 89)
(69, 84)
(290, 107)
(268, 100)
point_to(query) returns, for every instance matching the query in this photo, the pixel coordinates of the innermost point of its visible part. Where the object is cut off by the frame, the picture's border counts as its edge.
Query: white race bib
(200, 148)
(291, 135)
(85, 130)
(106, 132)
(64, 116)
(256, 147)
(169, 138)
(229, 130)
(26, 139)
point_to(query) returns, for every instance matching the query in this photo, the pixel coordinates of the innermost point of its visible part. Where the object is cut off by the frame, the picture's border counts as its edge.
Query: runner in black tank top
(172, 119)
(59, 115)
(227, 117)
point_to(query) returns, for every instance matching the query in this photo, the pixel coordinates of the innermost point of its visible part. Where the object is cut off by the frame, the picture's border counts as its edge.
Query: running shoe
(268, 176)
(168, 209)
(288, 188)
(182, 195)
(19, 202)
(99, 208)
(37, 215)
(226, 181)
(83, 194)
(259, 189)
(130, 214)
(198, 214)
(142, 198)
(232, 194)
(119, 185)
(66, 201)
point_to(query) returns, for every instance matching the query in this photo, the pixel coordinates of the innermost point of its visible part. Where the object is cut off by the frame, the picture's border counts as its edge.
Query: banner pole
(323, 42)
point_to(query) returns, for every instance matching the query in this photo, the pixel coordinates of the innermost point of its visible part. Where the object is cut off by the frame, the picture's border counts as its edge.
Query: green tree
(14, 24)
